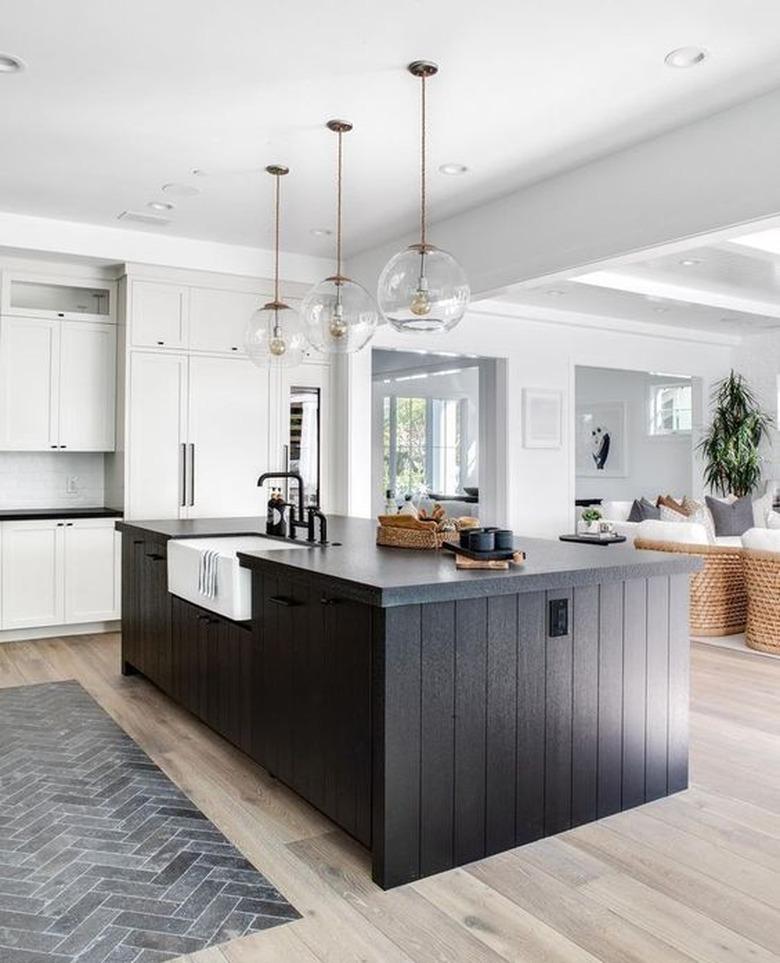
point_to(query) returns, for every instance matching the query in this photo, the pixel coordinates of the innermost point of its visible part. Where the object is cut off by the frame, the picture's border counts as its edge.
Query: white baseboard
(55, 631)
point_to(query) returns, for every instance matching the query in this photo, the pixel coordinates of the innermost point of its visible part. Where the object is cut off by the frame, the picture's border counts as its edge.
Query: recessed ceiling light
(555, 293)
(453, 169)
(181, 190)
(159, 206)
(320, 232)
(660, 310)
(10, 65)
(685, 57)
(690, 262)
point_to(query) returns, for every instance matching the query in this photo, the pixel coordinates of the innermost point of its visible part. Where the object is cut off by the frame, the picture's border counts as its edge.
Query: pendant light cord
(276, 238)
(338, 207)
(423, 146)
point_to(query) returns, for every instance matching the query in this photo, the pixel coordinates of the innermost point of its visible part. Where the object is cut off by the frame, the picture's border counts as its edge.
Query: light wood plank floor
(693, 877)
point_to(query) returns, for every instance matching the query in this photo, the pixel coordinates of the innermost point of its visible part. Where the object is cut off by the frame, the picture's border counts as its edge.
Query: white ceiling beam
(719, 172)
(21, 233)
(655, 284)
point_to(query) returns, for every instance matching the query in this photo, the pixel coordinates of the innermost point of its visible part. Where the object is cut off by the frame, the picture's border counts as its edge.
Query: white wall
(758, 360)
(30, 479)
(540, 482)
(656, 464)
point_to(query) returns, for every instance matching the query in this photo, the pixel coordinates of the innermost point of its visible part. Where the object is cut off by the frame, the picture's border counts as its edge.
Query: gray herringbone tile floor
(102, 858)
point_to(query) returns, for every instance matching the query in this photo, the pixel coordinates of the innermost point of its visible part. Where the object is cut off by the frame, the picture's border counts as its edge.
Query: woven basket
(410, 537)
(718, 591)
(762, 575)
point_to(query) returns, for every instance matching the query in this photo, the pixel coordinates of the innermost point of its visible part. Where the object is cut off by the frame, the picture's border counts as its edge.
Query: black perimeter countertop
(20, 514)
(385, 576)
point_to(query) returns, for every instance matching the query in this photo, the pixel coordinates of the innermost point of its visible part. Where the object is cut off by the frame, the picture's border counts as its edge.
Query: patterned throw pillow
(671, 514)
(673, 504)
(698, 512)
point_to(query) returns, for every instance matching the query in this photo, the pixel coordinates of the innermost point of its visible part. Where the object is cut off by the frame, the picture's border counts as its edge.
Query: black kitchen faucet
(314, 512)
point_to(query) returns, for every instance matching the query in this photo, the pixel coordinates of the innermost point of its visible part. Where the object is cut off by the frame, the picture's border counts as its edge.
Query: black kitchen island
(437, 715)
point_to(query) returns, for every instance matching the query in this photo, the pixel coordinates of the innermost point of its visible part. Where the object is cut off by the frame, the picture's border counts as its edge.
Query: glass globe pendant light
(274, 336)
(339, 315)
(423, 289)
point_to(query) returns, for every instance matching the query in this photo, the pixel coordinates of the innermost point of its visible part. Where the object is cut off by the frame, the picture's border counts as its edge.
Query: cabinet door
(228, 429)
(155, 616)
(29, 362)
(87, 386)
(157, 417)
(90, 571)
(32, 574)
(158, 315)
(132, 553)
(218, 319)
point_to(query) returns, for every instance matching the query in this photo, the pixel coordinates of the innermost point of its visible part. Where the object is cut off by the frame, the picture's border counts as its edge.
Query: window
(671, 408)
(423, 440)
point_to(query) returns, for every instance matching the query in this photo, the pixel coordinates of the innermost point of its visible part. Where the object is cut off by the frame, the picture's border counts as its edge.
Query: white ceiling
(726, 288)
(119, 99)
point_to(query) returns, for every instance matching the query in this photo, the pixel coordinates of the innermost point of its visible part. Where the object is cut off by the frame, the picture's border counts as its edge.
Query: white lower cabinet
(58, 572)
(92, 584)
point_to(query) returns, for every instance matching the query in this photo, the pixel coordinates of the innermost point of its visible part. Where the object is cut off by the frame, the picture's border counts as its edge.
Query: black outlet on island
(558, 618)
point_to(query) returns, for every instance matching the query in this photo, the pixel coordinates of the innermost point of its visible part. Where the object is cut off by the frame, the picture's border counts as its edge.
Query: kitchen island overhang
(438, 716)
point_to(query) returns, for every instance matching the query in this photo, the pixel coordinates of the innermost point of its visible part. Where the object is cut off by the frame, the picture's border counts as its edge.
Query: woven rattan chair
(762, 577)
(718, 592)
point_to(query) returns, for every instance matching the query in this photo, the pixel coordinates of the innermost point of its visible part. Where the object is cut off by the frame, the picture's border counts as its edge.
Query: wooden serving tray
(500, 555)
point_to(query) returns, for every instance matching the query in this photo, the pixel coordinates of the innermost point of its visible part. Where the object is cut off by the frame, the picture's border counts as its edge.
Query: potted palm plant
(731, 446)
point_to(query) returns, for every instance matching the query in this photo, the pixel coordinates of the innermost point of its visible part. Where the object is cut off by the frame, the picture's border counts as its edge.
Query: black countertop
(393, 576)
(20, 514)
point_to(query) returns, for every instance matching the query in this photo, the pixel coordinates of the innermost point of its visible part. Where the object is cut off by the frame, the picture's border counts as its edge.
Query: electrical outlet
(72, 485)
(558, 618)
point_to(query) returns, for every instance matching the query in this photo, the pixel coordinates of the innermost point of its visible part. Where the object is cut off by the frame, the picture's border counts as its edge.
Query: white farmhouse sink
(234, 583)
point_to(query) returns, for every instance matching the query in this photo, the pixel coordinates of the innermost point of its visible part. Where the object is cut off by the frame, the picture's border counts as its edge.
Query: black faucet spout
(293, 476)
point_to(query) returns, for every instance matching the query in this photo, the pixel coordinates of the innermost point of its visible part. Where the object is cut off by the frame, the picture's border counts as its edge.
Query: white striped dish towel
(207, 573)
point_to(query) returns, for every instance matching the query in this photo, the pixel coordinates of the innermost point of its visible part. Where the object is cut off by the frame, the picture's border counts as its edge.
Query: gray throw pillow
(642, 509)
(731, 518)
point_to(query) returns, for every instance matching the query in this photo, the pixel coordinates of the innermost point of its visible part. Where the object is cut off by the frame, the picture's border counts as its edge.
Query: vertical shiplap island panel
(492, 733)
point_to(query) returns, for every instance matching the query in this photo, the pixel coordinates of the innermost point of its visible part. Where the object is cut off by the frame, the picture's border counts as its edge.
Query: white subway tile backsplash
(31, 479)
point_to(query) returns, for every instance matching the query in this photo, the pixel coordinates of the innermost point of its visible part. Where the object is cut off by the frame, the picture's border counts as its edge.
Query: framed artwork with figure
(601, 440)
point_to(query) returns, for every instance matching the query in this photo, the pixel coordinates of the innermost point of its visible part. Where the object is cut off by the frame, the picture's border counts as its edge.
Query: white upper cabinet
(56, 385)
(218, 319)
(87, 393)
(159, 315)
(41, 297)
(29, 384)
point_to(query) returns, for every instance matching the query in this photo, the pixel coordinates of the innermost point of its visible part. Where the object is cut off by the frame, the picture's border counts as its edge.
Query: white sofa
(617, 513)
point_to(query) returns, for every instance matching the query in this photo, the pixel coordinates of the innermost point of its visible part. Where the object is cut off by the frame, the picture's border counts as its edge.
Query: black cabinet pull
(326, 601)
(155, 557)
(282, 600)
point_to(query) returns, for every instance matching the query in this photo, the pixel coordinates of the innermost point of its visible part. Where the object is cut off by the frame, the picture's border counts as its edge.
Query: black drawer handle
(282, 600)
(326, 601)
(155, 557)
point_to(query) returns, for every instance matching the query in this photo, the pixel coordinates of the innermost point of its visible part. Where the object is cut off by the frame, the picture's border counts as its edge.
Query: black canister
(465, 536)
(504, 539)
